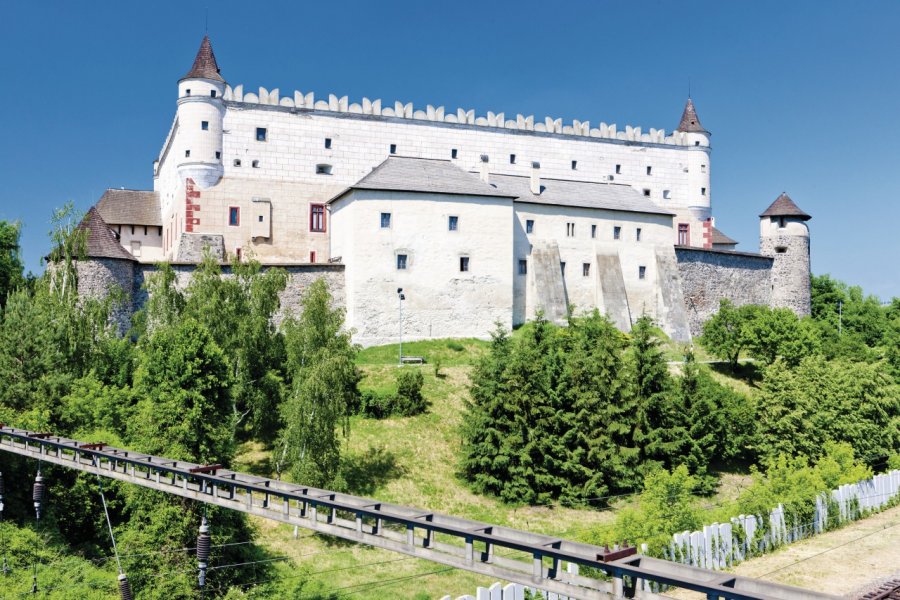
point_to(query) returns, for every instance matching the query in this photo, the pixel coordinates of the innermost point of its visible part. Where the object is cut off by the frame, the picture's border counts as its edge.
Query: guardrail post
(470, 551)
(411, 535)
(537, 566)
(358, 522)
(618, 585)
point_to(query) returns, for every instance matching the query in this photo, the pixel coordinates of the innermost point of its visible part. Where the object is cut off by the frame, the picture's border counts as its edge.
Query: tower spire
(690, 122)
(205, 66)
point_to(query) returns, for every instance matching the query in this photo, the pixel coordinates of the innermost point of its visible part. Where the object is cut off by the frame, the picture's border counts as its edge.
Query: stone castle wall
(790, 271)
(707, 276)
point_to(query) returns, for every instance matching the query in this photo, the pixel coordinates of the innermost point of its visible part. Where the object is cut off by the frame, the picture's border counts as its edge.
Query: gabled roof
(205, 66)
(690, 122)
(785, 207)
(130, 207)
(402, 174)
(101, 241)
(582, 194)
(719, 238)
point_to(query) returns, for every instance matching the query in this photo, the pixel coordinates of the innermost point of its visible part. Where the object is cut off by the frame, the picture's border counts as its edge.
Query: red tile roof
(101, 241)
(785, 207)
(205, 66)
(690, 122)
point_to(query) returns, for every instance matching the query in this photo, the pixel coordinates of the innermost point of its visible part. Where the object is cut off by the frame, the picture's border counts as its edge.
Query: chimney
(536, 178)
(485, 175)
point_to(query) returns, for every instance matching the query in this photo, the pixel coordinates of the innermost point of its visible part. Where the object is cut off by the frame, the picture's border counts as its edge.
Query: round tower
(784, 235)
(201, 112)
(696, 207)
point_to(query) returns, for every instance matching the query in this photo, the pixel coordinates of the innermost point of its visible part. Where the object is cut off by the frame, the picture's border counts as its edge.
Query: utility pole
(401, 297)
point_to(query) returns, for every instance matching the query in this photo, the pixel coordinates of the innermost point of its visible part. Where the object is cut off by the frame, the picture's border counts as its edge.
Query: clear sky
(800, 97)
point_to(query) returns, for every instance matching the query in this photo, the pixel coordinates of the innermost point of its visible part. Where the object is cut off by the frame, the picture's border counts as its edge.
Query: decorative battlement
(462, 116)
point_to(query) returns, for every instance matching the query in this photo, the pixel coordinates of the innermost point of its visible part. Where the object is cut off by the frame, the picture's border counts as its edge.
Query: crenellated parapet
(460, 116)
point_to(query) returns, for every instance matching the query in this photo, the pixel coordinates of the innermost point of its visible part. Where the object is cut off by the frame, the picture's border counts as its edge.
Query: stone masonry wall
(790, 272)
(98, 277)
(707, 276)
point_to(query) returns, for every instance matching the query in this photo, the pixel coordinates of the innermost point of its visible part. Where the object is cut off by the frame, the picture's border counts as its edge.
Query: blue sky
(800, 97)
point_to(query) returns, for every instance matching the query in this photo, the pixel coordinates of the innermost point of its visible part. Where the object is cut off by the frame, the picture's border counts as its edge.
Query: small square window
(523, 266)
(586, 269)
(453, 223)
(574, 164)
(463, 264)
(204, 125)
(647, 192)
(385, 220)
(218, 155)
(393, 148)
(529, 226)
(649, 170)
(697, 143)
(637, 234)
(237, 162)
(255, 164)
(323, 169)
(617, 232)
(702, 191)
(187, 153)
(454, 153)
(401, 262)
(187, 92)
(261, 134)
(261, 218)
(234, 216)
(618, 169)
(642, 272)
(512, 159)
(212, 93)
(593, 231)
(328, 143)
(667, 194)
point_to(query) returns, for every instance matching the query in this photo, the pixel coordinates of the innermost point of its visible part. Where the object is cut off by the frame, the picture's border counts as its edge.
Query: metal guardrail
(532, 559)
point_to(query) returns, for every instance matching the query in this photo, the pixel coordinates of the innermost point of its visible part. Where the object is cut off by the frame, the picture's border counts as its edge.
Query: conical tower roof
(101, 242)
(205, 66)
(785, 207)
(690, 122)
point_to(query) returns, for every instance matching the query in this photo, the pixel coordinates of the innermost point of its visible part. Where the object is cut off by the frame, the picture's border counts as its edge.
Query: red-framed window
(312, 256)
(684, 234)
(317, 218)
(234, 215)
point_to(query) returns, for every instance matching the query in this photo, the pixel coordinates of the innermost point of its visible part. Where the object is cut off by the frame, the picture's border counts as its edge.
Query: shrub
(455, 346)
(410, 400)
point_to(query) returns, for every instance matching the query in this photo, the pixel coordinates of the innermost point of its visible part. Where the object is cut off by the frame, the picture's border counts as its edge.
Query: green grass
(450, 353)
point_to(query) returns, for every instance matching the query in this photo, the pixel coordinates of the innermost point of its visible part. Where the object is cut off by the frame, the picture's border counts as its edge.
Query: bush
(407, 402)
(455, 346)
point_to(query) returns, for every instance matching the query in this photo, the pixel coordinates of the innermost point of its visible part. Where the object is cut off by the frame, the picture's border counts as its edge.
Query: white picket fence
(513, 591)
(722, 545)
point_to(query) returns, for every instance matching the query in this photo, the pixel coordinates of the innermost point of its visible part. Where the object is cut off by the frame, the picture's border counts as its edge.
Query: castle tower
(696, 208)
(201, 112)
(783, 235)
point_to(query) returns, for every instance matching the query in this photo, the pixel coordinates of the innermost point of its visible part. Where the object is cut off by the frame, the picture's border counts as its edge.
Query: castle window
(261, 218)
(637, 234)
(586, 269)
(261, 134)
(667, 194)
(617, 232)
(649, 170)
(317, 218)
(187, 92)
(593, 231)
(523, 266)
(218, 155)
(237, 162)
(618, 169)
(463, 264)
(255, 164)
(401, 262)
(642, 272)
(132, 230)
(136, 249)
(385, 220)
(647, 192)
(781, 222)
(204, 125)
(393, 148)
(312, 256)
(684, 234)
(570, 229)
(781, 249)
(234, 216)
(453, 223)
(703, 168)
(159, 231)
(187, 153)
(237, 254)
(454, 153)
(212, 93)
(574, 164)
(145, 230)
(323, 169)
(328, 143)
(562, 268)
(697, 143)
(512, 159)
(529, 226)
(702, 191)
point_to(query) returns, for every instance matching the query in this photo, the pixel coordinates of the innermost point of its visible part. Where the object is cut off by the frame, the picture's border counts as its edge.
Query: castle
(478, 219)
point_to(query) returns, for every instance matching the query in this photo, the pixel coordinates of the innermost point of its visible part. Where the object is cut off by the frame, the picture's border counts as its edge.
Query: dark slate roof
(720, 238)
(426, 175)
(785, 207)
(205, 66)
(690, 122)
(582, 194)
(130, 207)
(101, 241)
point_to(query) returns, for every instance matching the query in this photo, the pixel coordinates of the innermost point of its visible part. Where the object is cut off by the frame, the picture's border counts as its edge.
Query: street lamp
(401, 297)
